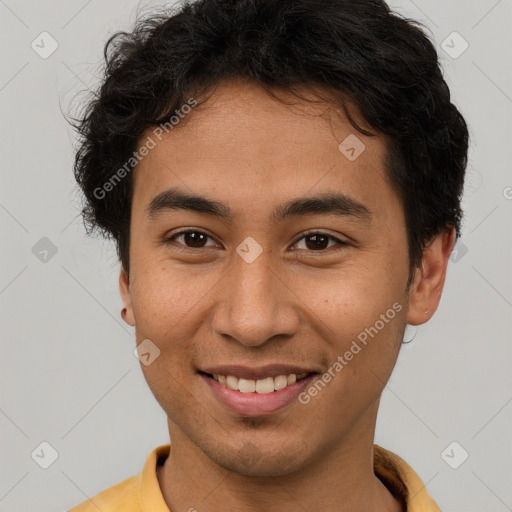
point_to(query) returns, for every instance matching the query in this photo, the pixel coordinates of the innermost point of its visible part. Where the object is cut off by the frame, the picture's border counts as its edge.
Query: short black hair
(359, 50)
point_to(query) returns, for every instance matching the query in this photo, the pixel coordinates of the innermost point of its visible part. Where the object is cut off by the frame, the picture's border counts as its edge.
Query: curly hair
(359, 50)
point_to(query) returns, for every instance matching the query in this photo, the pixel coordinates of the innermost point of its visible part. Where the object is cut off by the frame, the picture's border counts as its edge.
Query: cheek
(352, 298)
(360, 316)
(164, 298)
(163, 304)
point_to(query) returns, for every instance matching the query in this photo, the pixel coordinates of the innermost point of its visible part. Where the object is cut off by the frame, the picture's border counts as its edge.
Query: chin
(259, 461)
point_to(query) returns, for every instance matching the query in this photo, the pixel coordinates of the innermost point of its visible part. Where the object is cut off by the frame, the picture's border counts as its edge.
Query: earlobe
(429, 279)
(124, 288)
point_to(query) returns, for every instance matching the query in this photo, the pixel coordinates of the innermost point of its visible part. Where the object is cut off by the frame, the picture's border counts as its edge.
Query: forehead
(242, 143)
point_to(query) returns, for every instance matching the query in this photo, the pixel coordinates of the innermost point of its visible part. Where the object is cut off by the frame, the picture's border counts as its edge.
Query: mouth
(261, 386)
(257, 396)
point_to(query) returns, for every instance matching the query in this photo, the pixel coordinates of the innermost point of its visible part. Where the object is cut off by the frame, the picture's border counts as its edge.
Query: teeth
(280, 382)
(264, 386)
(246, 386)
(261, 386)
(232, 382)
(293, 378)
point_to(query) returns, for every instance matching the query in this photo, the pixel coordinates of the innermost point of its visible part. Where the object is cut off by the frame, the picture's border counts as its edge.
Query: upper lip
(257, 372)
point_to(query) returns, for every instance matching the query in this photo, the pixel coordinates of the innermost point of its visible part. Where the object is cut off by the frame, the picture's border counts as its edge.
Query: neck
(340, 478)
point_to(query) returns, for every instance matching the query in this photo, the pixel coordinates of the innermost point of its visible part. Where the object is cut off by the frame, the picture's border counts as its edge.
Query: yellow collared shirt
(141, 493)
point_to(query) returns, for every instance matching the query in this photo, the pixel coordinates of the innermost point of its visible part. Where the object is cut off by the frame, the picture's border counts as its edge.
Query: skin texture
(205, 306)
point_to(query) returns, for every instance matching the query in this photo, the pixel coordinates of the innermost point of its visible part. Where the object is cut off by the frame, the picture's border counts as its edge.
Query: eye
(317, 241)
(192, 239)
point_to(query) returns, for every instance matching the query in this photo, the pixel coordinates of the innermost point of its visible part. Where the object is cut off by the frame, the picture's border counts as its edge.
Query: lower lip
(256, 404)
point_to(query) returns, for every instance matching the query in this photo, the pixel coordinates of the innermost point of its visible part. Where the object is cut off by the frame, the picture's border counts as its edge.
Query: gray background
(68, 375)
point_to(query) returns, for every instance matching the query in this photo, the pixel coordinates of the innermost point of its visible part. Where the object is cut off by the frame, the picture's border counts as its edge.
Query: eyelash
(170, 240)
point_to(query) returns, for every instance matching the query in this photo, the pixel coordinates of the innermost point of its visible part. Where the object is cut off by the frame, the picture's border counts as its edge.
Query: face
(267, 290)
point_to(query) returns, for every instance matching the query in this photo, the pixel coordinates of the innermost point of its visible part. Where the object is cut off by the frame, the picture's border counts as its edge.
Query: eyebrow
(326, 203)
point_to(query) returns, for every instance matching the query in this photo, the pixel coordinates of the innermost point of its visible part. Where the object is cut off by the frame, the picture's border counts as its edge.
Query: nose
(256, 304)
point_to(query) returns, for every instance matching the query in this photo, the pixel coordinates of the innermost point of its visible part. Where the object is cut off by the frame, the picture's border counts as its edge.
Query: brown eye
(191, 239)
(317, 242)
(194, 239)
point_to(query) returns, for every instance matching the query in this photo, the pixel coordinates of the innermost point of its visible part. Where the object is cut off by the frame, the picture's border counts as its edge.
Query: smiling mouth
(260, 386)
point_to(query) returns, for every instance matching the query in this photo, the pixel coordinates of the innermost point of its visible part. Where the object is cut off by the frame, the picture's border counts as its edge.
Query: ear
(425, 292)
(124, 288)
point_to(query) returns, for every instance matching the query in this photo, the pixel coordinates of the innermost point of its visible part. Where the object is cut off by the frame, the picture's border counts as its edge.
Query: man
(283, 182)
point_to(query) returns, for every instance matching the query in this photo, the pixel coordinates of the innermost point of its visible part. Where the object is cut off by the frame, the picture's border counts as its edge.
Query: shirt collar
(152, 500)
